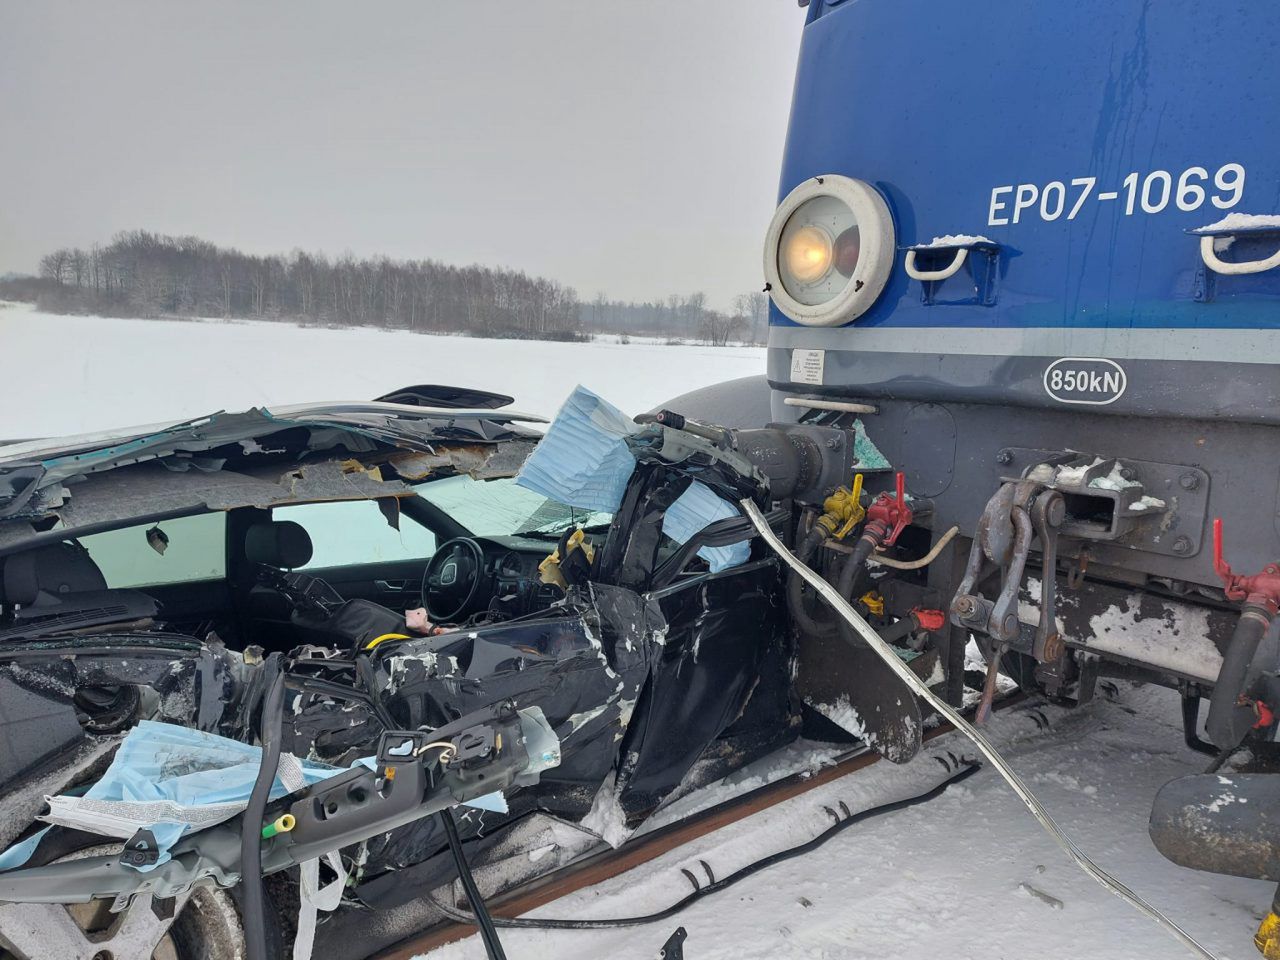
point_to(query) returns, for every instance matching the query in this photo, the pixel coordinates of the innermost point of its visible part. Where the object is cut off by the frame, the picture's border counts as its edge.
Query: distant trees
(150, 275)
(680, 316)
(753, 311)
(143, 274)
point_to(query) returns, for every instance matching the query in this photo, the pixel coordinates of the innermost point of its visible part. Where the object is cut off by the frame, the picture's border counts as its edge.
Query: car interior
(334, 572)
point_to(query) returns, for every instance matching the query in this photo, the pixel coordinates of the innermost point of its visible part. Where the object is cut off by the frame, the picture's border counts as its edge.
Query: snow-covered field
(969, 875)
(77, 374)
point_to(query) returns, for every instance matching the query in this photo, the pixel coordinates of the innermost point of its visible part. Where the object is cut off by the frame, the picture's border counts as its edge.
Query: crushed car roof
(45, 481)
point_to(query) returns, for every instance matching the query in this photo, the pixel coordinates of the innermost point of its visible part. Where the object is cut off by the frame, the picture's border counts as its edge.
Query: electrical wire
(253, 905)
(492, 945)
(446, 748)
(924, 561)
(790, 853)
(1038, 810)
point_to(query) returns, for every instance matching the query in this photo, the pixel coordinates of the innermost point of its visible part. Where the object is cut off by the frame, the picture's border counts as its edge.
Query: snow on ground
(967, 876)
(78, 374)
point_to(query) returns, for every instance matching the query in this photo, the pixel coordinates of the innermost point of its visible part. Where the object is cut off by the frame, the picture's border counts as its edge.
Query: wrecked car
(434, 603)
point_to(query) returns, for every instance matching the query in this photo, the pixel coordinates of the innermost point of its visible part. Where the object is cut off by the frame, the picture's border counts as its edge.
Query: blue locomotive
(1030, 254)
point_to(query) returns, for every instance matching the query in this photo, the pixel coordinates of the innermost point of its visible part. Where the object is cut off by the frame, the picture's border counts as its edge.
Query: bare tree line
(150, 275)
(678, 316)
(143, 274)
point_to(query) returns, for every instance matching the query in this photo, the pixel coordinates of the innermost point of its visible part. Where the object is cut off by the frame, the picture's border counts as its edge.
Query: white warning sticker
(806, 365)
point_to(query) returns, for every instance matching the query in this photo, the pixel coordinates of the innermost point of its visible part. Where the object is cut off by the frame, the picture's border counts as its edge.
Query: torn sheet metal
(150, 488)
(39, 682)
(583, 664)
(727, 648)
(28, 470)
(478, 461)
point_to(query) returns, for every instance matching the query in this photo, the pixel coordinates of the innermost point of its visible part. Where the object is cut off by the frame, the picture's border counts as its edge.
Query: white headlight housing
(829, 250)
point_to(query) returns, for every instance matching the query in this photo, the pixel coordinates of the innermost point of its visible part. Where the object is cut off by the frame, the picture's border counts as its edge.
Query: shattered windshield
(499, 508)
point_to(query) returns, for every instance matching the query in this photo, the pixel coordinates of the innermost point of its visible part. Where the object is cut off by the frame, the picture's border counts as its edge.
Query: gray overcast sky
(631, 147)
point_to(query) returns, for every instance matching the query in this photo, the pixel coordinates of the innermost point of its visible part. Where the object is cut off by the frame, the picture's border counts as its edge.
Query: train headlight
(829, 250)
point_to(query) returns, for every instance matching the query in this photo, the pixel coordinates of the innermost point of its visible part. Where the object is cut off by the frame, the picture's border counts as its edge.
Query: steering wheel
(452, 580)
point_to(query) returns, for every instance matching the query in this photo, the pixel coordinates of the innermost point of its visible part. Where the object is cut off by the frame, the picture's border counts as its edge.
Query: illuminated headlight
(829, 250)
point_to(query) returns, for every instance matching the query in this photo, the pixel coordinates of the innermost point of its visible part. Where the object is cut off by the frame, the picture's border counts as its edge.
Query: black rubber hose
(851, 575)
(725, 882)
(492, 946)
(1228, 722)
(253, 904)
(795, 589)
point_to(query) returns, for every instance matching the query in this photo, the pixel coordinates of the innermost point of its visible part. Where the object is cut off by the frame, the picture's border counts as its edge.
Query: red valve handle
(1220, 565)
(1262, 589)
(893, 512)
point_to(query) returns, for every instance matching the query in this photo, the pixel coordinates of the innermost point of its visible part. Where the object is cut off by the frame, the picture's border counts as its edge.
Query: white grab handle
(1222, 266)
(943, 274)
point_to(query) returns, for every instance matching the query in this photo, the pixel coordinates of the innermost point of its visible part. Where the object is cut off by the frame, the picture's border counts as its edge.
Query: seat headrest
(54, 569)
(278, 543)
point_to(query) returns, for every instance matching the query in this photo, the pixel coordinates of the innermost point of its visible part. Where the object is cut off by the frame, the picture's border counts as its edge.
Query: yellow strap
(386, 636)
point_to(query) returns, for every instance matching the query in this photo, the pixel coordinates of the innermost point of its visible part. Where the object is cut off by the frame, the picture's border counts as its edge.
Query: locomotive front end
(1030, 255)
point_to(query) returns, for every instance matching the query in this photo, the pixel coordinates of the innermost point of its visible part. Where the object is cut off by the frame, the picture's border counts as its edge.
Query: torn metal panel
(25, 469)
(480, 462)
(583, 664)
(727, 642)
(58, 698)
(152, 489)
(23, 797)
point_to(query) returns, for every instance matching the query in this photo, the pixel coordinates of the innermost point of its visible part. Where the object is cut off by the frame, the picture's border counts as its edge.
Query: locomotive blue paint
(940, 104)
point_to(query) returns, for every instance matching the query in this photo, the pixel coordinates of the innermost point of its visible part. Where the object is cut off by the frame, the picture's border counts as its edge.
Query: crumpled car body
(655, 673)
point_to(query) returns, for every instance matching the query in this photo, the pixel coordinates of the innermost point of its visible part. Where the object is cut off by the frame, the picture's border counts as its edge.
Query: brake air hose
(253, 908)
(846, 611)
(795, 588)
(1228, 720)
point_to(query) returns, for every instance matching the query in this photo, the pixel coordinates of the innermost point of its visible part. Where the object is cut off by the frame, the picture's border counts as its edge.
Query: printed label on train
(1090, 380)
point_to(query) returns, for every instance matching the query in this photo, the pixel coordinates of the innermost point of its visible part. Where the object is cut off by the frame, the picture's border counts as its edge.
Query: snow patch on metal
(1178, 641)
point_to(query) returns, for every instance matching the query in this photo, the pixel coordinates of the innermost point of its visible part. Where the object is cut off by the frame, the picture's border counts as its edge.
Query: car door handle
(391, 586)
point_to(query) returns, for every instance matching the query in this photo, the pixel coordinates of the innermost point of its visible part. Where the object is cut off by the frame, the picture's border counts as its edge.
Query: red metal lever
(893, 512)
(1220, 566)
(1262, 589)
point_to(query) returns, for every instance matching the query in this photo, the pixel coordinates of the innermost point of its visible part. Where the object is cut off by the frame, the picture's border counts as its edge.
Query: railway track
(611, 863)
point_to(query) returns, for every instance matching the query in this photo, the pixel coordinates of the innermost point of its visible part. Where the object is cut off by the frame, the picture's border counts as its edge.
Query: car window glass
(497, 508)
(349, 532)
(196, 550)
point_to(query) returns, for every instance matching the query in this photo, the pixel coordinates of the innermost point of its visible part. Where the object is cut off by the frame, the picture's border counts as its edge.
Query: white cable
(446, 748)
(924, 561)
(885, 652)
